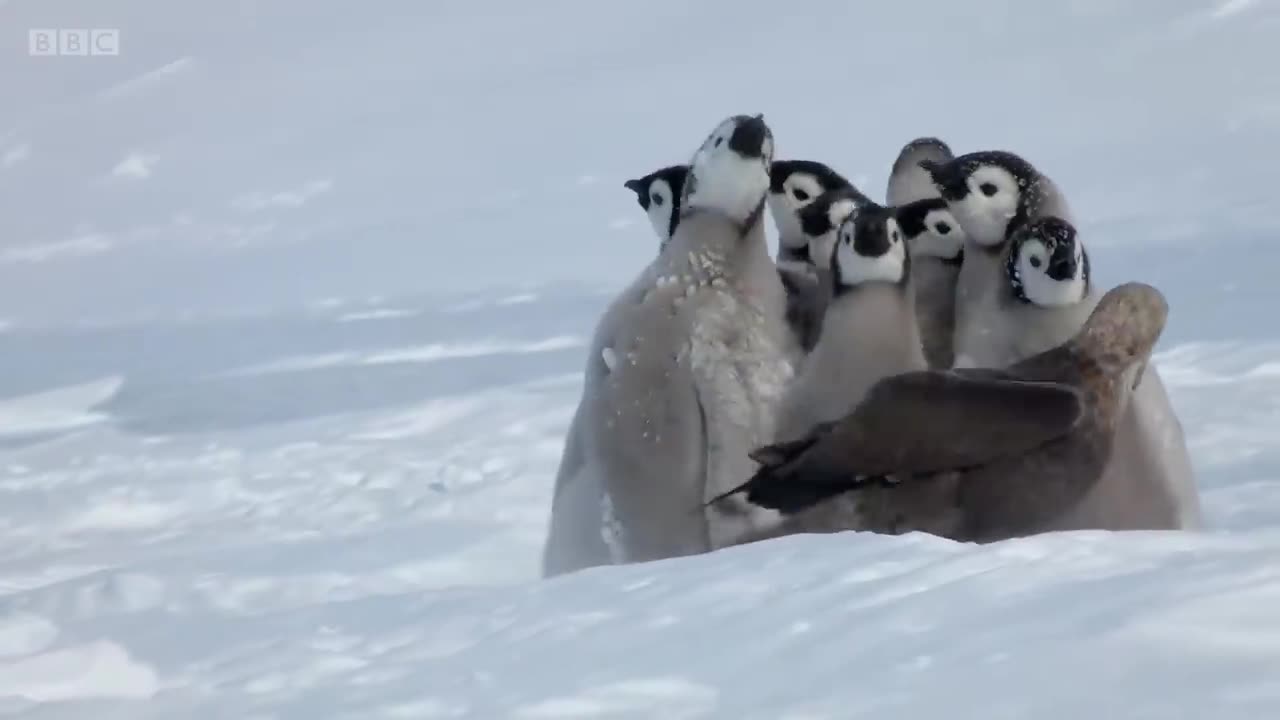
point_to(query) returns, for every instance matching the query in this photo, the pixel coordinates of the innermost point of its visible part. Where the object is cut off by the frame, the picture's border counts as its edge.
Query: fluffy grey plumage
(869, 328)
(687, 365)
(936, 241)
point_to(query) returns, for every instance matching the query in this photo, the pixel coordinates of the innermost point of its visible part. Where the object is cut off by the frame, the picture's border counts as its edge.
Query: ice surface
(294, 299)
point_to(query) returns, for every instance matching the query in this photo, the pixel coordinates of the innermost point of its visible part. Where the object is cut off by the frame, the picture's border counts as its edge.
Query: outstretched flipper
(915, 423)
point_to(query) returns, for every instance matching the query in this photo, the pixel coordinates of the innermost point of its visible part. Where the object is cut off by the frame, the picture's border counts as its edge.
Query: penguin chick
(687, 365)
(807, 278)
(723, 177)
(935, 240)
(1149, 482)
(822, 218)
(931, 230)
(1046, 285)
(936, 243)
(658, 194)
(793, 185)
(575, 536)
(869, 329)
(991, 194)
(908, 181)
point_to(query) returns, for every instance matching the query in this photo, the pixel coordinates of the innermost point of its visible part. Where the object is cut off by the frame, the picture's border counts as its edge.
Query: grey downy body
(869, 329)
(936, 242)
(577, 533)
(688, 364)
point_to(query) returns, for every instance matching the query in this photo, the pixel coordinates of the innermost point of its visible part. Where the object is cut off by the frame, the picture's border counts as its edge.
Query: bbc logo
(73, 42)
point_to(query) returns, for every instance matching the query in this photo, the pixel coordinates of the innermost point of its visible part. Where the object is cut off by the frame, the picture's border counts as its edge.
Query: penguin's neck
(709, 245)
(935, 298)
(982, 274)
(1029, 329)
(931, 275)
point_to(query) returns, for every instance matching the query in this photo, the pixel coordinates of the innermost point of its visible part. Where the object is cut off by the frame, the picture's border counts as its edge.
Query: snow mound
(64, 408)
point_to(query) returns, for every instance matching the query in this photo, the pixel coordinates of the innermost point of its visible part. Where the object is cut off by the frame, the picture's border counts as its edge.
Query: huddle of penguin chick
(942, 362)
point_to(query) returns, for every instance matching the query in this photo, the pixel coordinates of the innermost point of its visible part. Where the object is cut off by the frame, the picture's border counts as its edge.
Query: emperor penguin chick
(688, 364)
(576, 538)
(658, 194)
(793, 185)
(1148, 483)
(991, 194)
(869, 329)
(820, 221)
(1048, 291)
(809, 290)
(936, 243)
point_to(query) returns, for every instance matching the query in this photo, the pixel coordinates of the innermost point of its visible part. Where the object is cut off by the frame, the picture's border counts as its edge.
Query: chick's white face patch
(1042, 290)
(985, 212)
(727, 182)
(822, 246)
(857, 269)
(942, 237)
(799, 190)
(662, 202)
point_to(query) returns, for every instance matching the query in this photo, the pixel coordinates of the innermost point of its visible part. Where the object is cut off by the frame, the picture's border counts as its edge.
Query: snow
(57, 409)
(134, 167)
(296, 298)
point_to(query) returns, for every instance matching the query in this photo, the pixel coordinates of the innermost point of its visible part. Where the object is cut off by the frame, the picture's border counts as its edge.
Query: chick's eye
(800, 194)
(657, 199)
(988, 189)
(942, 228)
(719, 141)
(895, 237)
(1035, 261)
